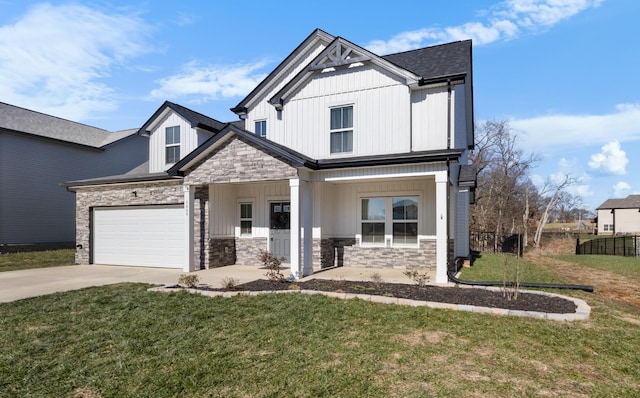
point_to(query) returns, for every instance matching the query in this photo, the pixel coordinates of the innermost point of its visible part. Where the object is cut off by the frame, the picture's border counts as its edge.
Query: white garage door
(146, 236)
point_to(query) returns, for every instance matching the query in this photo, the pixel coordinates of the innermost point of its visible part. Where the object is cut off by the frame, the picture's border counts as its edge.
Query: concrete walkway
(16, 285)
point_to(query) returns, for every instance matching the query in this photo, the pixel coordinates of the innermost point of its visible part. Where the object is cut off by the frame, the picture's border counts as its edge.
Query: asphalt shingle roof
(25, 121)
(630, 202)
(433, 62)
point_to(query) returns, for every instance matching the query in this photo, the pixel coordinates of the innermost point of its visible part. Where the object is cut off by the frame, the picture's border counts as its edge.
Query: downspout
(448, 113)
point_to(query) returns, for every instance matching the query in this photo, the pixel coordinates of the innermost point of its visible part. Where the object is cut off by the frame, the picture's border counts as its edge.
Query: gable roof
(630, 202)
(196, 119)
(17, 120)
(340, 53)
(316, 35)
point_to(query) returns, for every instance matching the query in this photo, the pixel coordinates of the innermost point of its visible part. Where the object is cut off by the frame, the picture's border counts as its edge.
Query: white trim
(238, 228)
(388, 234)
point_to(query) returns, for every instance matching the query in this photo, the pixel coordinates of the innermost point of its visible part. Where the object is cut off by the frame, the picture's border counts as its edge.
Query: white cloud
(611, 160)
(210, 82)
(503, 22)
(554, 132)
(53, 58)
(621, 189)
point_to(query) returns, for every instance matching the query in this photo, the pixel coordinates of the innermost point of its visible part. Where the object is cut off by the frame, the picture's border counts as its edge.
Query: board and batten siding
(35, 207)
(342, 213)
(381, 106)
(190, 139)
(225, 211)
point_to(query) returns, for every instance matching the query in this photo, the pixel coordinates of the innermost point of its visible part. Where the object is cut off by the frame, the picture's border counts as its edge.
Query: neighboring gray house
(38, 152)
(619, 216)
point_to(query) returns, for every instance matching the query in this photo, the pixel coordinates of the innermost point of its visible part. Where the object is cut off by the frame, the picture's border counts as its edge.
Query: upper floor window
(261, 128)
(342, 129)
(172, 144)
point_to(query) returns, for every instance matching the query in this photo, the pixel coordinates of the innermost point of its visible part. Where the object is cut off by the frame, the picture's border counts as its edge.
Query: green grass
(502, 267)
(28, 260)
(627, 266)
(123, 341)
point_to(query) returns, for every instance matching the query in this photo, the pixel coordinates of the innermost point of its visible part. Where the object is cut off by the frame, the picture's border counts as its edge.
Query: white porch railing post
(307, 225)
(189, 206)
(294, 185)
(442, 240)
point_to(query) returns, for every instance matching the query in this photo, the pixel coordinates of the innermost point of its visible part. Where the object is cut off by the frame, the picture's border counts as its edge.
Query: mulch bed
(450, 295)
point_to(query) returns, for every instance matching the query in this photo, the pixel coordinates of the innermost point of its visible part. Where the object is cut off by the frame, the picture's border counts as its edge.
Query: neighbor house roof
(17, 120)
(630, 202)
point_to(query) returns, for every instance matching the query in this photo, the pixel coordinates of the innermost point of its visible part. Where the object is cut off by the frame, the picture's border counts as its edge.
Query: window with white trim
(261, 128)
(172, 144)
(246, 219)
(608, 227)
(395, 217)
(341, 129)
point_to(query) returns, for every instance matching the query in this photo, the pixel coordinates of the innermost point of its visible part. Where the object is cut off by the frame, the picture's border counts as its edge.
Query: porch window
(342, 129)
(172, 144)
(246, 219)
(405, 220)
(396, 217)
(261, 128)
(373, 220)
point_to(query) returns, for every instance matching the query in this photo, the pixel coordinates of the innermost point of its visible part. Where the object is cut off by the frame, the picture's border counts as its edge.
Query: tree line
(507, 202)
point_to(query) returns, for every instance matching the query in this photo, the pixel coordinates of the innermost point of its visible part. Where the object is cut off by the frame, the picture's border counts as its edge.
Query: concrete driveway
(16, 285)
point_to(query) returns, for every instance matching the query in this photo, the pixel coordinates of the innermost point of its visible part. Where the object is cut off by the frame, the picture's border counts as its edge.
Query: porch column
(307, 225)
(294, 220)
(189, 206)
(442, 239)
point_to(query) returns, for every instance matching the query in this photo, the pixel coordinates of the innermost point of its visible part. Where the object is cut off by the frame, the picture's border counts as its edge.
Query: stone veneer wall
(117, 195)
(347, 252)
(222, 251)
(201, 228)
(248, 250)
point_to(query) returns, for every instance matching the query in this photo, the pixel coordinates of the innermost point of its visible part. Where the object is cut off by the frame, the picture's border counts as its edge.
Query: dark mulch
(451, 295)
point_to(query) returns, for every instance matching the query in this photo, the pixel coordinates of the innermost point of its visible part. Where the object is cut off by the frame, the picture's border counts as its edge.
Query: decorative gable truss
(340, 53)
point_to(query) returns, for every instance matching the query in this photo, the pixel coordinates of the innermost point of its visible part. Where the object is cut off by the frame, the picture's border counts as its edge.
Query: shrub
(420, 279)
(189, 280)
(228, 283)
(376, 278)
(272, 264)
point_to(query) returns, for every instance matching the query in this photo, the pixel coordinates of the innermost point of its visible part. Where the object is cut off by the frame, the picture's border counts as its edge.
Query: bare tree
(554, 193)
(503, 188)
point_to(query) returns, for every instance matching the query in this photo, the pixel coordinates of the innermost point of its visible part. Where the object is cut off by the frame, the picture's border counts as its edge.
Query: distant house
(619, 216)
(38, 152)
(342, 158)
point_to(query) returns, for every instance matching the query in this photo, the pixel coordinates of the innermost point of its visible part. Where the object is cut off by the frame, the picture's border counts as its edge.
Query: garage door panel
(147, 236)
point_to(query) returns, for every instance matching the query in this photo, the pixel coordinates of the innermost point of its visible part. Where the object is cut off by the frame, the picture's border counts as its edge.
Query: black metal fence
(627, 245)
(486, 242)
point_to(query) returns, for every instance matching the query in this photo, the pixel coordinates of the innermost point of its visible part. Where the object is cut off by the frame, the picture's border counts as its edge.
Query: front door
(280, 230)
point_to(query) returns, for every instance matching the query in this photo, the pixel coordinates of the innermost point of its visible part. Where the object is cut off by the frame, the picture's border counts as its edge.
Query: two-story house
(619, 216)
(343, 158)
(38, 153)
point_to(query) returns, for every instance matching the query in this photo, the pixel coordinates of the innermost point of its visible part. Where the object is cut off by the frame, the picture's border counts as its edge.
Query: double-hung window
(405, 220)
(246, 219)
(389, 217)
(373, 220)
(172, 144)
(261, 128)
(342, 129)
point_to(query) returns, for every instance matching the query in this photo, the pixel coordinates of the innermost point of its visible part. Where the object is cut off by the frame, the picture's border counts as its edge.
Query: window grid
(172, 144)
(396, 217)
(246, 218)
(341, 129)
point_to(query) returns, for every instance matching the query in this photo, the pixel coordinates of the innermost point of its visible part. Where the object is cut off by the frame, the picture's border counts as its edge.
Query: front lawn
(123, 341)
(41, 259)
(504, 267)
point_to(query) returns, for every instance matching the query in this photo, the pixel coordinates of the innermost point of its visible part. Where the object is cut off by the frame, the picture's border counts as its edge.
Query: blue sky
(564, 73)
